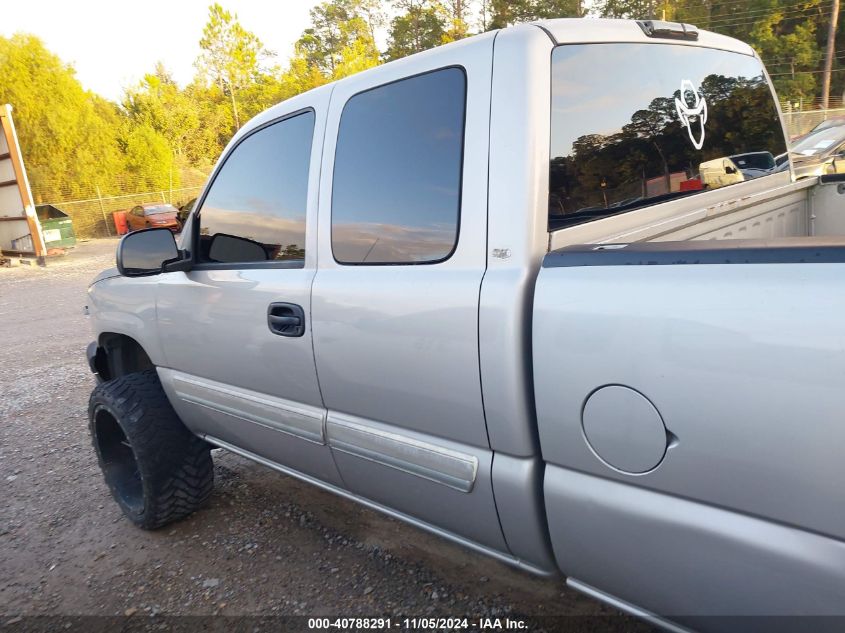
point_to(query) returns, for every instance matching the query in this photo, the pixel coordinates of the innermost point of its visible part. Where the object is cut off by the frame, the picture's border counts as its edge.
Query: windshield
(820, 142)
(652, 122)
(757, 160)
(159, 208)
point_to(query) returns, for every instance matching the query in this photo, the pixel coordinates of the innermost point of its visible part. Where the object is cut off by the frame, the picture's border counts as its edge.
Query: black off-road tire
(157, 470)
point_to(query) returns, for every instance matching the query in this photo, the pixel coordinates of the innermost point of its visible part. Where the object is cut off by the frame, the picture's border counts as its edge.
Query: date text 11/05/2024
(376, 624)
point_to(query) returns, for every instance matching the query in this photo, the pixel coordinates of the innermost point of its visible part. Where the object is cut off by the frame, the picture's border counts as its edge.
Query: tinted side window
(650, 122)
(397, 172)
(255, 209)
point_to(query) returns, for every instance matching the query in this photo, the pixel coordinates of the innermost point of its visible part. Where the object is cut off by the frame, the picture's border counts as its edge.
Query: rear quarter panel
(745, 364)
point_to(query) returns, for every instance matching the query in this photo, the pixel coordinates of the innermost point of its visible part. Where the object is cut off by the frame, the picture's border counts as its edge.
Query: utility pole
(828, 58)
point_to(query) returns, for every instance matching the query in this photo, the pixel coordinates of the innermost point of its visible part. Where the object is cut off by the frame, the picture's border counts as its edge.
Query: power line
(806, 72)
(767, 11)
(754, 20)
(755, 15)
(763, 10)
(728, 3)
(793, 60)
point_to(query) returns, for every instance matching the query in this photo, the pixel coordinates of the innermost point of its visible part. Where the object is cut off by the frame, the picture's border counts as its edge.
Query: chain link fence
(92, 212)
(801, 122)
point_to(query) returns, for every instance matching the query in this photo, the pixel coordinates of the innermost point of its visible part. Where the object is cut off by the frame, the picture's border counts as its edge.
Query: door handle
(286, 319)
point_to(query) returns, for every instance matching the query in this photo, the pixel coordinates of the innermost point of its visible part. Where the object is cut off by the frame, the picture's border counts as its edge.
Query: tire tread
(175, 465)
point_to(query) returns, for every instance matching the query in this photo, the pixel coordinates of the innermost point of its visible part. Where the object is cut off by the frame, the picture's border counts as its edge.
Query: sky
(113, 44)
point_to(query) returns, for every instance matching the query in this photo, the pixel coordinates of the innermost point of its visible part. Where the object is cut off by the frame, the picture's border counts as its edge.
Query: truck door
(236, 329)
(395, 303)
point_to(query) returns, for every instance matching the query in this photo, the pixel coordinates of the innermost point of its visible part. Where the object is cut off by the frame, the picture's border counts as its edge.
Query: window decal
(692, 108)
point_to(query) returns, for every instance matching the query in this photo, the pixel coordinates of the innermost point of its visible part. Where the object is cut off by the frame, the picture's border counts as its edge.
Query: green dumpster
(56, 226)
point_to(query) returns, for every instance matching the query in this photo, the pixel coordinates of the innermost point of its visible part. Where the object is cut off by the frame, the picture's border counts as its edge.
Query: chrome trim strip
(626, 607)
(300, 420)
(449, 536)
(429, 461)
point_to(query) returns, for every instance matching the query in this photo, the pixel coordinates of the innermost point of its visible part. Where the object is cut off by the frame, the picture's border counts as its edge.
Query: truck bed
(806, 208)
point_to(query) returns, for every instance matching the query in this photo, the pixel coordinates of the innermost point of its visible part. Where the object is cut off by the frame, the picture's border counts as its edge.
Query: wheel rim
(119, 464)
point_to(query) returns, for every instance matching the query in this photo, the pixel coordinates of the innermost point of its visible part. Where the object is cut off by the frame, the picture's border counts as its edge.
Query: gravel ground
(266, 544)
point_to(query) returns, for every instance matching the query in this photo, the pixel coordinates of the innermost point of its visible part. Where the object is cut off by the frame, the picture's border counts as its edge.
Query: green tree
(360, 55)
(509, 12)
(636, 9)
(148, 158)
(338, 26)
(458, 16)
(67, 134)
(420, 25)
(791, 48)
(300, 76)
(159, 103)
(231, 55)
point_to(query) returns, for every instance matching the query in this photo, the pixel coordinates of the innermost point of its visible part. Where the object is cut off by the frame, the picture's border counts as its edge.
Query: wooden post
(103, 211)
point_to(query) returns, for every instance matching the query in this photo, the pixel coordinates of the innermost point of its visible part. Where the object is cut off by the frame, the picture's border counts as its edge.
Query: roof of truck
(604, 30)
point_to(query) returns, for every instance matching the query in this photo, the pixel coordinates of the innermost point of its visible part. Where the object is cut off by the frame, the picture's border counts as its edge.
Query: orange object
(120, 222)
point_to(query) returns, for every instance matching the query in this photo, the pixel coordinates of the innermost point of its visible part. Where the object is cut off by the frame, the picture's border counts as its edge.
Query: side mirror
(146, 252)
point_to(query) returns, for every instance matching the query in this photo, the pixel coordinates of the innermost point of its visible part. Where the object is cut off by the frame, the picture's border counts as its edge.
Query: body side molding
(294, 418)
(436, 463)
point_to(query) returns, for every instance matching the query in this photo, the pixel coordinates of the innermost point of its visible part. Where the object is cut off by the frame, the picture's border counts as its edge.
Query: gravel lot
(266, 544)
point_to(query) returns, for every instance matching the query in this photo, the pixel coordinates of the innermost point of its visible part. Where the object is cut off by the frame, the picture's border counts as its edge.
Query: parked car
(822, 152)
(153, 215)
(373, 297)
(720, 172)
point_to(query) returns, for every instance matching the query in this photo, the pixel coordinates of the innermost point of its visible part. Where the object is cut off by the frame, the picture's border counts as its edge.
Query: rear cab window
(397, 171)
(653, 122)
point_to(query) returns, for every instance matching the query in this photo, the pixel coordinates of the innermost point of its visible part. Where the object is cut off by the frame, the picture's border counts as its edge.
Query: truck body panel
(517, 237)
(729, 354)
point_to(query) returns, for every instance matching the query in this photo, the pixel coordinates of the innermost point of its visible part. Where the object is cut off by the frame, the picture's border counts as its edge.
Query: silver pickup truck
(544, 292)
